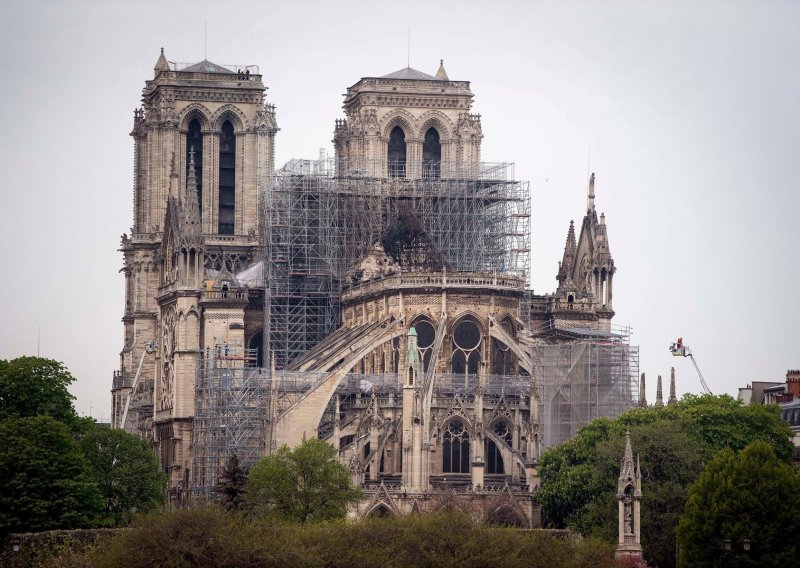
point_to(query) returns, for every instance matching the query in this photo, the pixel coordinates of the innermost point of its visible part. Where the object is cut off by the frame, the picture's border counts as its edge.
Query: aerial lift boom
(678, 349)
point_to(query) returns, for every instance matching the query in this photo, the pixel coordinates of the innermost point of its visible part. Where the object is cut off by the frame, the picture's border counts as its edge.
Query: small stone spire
(568, 260)
(441, 74)
(191, 205)
(659, 398)
(642, 393)
(629, 496)
(590, 200)
(672, 398)
(161, 64)
(627, 469)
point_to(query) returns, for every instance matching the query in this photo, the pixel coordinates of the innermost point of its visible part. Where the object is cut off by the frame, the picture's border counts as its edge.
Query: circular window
(467, 335)
(425, 333)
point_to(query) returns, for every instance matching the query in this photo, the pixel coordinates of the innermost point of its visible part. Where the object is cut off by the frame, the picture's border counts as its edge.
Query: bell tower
(408, 125)
(204, 146)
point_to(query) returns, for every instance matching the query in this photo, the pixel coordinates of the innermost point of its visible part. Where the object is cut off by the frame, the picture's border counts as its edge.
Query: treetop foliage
(751, 495)
(34, 386)
(214, 537)
(46, 480)
(302, 484)
(61, 471)
(579, 477)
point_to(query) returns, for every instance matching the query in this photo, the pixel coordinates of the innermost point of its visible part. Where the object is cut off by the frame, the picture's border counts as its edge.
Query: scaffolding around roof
(321, 227)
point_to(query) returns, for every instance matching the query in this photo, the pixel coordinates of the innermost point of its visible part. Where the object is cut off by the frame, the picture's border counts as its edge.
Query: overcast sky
(689, 111)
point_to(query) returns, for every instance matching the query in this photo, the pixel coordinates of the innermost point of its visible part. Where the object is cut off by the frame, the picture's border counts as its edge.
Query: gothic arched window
(502, 357)
(426, 336)
(466, 347)
(194, 140)
(397, 152)
(227, 179)
(455, 448)
(431, 154)
(494, 457)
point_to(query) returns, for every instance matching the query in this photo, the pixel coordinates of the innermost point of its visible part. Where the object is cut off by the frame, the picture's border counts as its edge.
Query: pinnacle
(441, 74)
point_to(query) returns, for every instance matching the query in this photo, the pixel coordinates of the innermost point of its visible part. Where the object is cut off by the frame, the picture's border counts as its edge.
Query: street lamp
(746, 545)
(15, 545)
(727, 545)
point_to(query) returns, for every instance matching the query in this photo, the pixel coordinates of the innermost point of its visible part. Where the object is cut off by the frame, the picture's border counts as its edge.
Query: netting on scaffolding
(232, 403)
(324, 231)
(584, 379)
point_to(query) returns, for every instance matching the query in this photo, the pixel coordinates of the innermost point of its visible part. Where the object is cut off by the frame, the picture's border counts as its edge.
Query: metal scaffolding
(584, 374)
(320, 227)
(232, 403)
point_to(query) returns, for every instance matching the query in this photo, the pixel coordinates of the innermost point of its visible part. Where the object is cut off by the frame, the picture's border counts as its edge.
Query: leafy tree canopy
(126, 471)
(34, 386)
(751, 495)
(44, 477)
(579, 477)
(302, 484)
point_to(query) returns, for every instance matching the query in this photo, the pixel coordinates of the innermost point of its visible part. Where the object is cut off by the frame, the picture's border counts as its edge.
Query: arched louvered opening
(194, 141)
(397, 153)
(431, 154)
(227, 179)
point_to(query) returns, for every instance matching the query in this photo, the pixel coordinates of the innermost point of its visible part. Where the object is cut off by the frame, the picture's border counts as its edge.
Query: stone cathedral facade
(427, 382)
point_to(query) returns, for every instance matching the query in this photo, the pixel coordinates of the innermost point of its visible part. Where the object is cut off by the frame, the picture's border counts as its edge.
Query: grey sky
(689, 109)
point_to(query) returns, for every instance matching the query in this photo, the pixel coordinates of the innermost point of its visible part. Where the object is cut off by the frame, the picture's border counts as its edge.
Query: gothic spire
(659, 397)
(161, 64)
(441, 74)
(191, 204)
(672, 398)
(627, 472)
(642, 393)
(590, 200)
(568, 261)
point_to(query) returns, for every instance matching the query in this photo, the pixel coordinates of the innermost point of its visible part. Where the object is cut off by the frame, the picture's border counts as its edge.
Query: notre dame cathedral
(378, 300)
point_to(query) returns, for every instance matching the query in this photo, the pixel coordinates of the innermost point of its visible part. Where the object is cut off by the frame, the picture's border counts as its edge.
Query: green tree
(751, 495)
(302, 484)
(45, 479)
(232, 484)
(675, 442)
(126, 472)
(34, 386)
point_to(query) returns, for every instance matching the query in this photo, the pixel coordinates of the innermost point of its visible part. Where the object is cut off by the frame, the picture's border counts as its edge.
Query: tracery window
(455, 448)
(426, 335)
(502, 356)
(194, 141)
(397, 153)
(227, 179)
(431, 154)
(466, 347)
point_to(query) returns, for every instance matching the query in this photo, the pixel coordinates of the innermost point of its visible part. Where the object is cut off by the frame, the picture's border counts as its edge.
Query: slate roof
(207, 66)
(409, 73)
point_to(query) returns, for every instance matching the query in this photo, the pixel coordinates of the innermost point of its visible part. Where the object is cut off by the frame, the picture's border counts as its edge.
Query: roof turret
(441, 74)
(161, 64)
